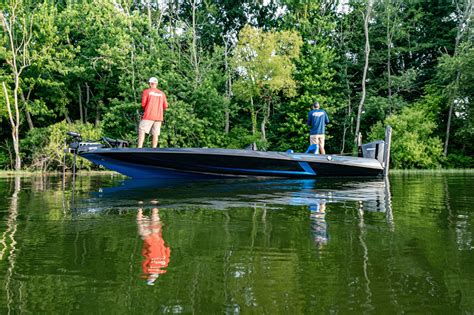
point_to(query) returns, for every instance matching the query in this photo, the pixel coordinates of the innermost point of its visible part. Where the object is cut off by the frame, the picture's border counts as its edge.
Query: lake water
(239, 246)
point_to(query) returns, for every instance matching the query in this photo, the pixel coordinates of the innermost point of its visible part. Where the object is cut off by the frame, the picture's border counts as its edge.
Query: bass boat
(192, 163)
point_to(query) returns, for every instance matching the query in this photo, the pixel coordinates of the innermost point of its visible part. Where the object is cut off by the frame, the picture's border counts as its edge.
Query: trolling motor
(71, 147)
(75, 145)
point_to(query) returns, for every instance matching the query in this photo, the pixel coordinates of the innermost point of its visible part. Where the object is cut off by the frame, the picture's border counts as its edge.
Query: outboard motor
(373, 150)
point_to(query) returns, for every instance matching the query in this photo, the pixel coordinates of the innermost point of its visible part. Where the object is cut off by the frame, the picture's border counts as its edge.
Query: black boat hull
(212, 163)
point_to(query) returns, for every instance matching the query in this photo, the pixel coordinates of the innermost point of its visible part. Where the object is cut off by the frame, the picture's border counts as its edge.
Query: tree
(464, 11)
(315, 75)
(17, 22)
(414, 144)
(264, 63)
(454, 81)
(366, 15)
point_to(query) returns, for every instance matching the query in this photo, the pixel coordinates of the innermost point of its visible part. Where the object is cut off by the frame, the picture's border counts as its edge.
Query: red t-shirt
(154, 104)
(156, 254)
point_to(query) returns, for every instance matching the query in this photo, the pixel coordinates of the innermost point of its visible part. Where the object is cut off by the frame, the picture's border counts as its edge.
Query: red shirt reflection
(155, 252)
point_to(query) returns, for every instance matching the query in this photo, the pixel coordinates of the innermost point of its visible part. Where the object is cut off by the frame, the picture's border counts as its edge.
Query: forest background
(237, 72)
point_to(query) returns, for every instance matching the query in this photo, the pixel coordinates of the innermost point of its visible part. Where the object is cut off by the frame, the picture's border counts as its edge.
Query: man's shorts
(317, 139)
(150, 126)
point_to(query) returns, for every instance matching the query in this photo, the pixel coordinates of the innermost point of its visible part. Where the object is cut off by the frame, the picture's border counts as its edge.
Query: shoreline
(25, 173)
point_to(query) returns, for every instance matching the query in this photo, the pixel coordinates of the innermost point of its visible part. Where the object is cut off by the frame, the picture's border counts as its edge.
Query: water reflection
(243, 246)
(8, 240)
(319, 226)
(156, 255)
(317, 196)
(373, 195)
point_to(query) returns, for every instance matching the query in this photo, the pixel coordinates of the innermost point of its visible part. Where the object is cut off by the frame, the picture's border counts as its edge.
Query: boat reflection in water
(372, 195)
(156, 254)
(246, 217)
(317, 196)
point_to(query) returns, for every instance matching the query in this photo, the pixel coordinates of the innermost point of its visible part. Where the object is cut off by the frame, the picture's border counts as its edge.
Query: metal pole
(74, 177)
(64, 164)
(388, 140)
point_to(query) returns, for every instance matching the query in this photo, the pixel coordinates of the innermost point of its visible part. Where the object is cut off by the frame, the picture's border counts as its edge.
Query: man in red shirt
(154, 104)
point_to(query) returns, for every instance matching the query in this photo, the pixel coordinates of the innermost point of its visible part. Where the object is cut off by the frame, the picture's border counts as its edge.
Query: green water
(242, 246)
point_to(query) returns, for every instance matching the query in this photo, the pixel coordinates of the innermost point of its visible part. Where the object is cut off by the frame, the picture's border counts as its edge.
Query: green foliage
(88, 61)
(182, 128)
(5, 162)
(455, 160)
(121, 121)
(455, 82)
(413, 142)
(43, 148)
(264, 62)
(241, 138)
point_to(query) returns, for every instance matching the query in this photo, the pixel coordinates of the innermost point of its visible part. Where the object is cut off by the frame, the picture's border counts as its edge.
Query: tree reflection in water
(8, 241)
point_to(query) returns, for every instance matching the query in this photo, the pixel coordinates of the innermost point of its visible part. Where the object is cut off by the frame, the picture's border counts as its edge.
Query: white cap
(153, 80)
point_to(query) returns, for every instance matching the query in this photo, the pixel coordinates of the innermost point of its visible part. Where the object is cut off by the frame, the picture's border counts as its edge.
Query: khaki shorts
(150, 125)
(317, 139)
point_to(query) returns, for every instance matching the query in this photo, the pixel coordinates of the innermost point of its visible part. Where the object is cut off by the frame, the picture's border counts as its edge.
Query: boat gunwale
(275, 155)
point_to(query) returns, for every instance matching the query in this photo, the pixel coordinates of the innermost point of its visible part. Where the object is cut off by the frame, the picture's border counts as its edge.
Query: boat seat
(313, 148)
(115, 143)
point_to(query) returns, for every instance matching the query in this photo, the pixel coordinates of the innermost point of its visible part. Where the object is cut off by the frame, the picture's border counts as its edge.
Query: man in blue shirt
(317, 119)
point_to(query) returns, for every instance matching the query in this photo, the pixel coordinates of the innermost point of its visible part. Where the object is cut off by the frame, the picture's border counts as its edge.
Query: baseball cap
(153, 80)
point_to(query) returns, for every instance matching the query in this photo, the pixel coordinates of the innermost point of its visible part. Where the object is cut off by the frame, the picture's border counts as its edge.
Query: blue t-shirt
(317, 119)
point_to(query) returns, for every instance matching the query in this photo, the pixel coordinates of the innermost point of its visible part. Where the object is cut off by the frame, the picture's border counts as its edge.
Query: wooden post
(388, 140)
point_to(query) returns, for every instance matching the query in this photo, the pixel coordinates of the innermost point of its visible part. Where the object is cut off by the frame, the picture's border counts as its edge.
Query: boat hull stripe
(308, 169)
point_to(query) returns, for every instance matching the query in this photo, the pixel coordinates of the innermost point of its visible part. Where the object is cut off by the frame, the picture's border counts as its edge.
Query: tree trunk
(450, 113)
(228, 87)
(15, 129)
(266, 118)
(253, 115)
(81, 115)
(366, 66)
(132, 64)
(29, 120)
(389, 66)
(194, 45)
(87, 102)
(347, 121)
(68, 119)
(97, 115)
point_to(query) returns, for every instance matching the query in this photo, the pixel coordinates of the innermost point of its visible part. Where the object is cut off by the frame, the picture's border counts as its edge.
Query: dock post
(388, 140)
